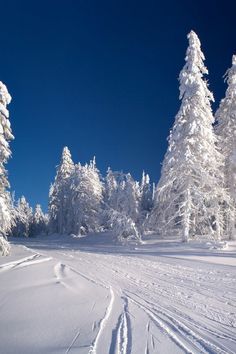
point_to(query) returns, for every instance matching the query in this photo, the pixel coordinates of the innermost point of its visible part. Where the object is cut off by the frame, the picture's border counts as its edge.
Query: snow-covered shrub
(4, 246)
(123, 227)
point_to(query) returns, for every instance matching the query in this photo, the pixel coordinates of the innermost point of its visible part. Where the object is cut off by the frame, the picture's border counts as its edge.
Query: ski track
(24, 262)
(73, 342)
(176, 329)
(193, 308)
(124, 331)
(187, 334)
(102, 325)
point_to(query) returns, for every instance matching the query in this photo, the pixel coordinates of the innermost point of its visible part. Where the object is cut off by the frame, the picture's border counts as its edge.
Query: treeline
(82, 201)
(27, 222)
(194, 198)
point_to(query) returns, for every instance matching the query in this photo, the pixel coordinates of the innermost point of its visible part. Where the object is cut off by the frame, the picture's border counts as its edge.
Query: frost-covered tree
(4, 246)
(110, 186)
(146, 196)
(190, 191)
(59, 195)
(86, 199)
(123, 228)
(5, 137)
(122, 194)
(23, 217)
(122, 205)
(226, 132)
(39, 222)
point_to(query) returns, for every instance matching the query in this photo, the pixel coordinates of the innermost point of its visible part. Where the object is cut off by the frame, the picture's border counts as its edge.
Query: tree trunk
(186, 217)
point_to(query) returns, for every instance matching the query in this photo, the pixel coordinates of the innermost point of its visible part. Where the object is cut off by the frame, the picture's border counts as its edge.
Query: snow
(87, 295)
(4, 246)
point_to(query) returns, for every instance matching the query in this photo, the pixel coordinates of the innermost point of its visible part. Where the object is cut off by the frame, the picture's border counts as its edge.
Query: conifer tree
(226, 132)
(86, 199)
(122, 193)
(59, 195)
(190, 190)
(146, 196)
(38, 225)
(5, 153)
(23, 217)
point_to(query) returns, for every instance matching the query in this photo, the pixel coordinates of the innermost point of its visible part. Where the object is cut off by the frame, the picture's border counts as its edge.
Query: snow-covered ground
(88, 296)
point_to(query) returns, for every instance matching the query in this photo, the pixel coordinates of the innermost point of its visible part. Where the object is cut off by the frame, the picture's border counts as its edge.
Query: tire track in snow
(103, 322)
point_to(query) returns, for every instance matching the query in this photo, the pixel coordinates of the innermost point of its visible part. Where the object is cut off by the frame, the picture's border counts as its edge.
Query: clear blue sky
(101, 77)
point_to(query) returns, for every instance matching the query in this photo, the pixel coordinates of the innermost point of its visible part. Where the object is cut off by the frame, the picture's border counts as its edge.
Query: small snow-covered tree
(39, 223)
(123, 228)
(122, 205)
(5, 137)
(86, 199)
(59, 195)
(226, 132)
(190, 191)
(122, 194)
(22, 219)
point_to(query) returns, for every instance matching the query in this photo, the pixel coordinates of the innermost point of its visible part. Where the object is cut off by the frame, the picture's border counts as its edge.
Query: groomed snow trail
(114, 300)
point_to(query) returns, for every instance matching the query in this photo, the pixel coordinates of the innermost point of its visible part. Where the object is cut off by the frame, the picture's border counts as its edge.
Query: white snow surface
(85, 295)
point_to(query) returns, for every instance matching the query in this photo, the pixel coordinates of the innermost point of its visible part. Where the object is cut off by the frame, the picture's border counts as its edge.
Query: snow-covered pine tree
(38, 225)
(122, 194)
(190, 190)
(123, 228)
(122, 202)
(23, 217)
(110, 186)
(146, 196)
(5, 137)
(226, 132)
(86, 199)
(59, 195)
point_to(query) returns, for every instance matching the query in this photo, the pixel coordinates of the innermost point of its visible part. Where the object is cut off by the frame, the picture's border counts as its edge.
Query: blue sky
(101, 77)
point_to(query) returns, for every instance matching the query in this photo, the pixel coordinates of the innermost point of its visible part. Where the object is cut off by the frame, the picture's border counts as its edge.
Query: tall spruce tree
(190, 191)
(59, 195)
(5, 137)
(226, 132)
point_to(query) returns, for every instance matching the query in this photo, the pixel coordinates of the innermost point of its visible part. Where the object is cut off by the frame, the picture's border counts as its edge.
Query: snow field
(86, 296)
